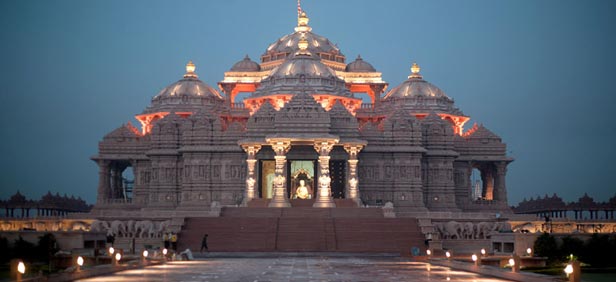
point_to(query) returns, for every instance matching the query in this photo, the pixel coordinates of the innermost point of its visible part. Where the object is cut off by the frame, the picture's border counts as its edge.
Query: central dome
(287, 45)
(303, 72)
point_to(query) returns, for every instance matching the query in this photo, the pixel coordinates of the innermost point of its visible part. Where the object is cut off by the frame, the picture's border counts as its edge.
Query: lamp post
(144, 256)
(475, 259)
(79, 263)
(21, 270)
(515, 263)
(118, 257)
(573, 271)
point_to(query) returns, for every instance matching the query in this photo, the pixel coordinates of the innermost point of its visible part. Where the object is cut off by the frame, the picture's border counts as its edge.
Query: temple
(302, 115)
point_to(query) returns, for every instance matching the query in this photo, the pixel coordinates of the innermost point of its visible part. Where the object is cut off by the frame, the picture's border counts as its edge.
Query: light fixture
(511, 262)
(569, 269)
(483, 252)
(80, 260)
(21, 267)
(111, 250)
(118, 256)
(428, 252)
(145, 253)
(474, 257)
(165, 251)
(447, 254)
(529, 251)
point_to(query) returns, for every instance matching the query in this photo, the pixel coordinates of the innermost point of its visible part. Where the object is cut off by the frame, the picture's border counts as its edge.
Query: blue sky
(538, 73)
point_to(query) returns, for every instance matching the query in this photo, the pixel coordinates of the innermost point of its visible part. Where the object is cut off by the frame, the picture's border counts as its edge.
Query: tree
(571, 246)
(47, 247)
(546, 246)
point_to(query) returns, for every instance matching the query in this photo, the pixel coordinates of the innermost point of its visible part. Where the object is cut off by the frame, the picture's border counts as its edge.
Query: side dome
(186, 94)
(246, 65)
(359, 65)
(416, 86)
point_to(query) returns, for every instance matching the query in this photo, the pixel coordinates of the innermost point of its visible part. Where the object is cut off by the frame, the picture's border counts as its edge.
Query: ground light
(569, 269)
(144, 256)
(79, 262)
(21, 267)
(21, 270)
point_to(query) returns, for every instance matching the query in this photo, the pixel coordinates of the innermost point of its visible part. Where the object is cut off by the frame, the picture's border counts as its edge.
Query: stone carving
(132, 228)
(468, 230)
(388, 210)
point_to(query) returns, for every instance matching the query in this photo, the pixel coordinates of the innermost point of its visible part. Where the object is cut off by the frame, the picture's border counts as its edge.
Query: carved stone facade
(197, 146)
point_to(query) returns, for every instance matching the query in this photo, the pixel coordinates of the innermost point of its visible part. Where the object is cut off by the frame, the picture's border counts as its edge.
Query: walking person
(204, 244)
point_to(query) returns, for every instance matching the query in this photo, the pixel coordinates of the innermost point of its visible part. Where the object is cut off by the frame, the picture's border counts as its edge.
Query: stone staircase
(302, 229)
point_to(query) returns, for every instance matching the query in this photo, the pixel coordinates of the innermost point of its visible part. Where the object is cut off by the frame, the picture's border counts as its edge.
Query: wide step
(302, 229)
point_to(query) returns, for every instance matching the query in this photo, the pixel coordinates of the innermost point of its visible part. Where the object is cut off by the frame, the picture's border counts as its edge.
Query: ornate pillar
(501, 190)
(324, 194)
(279, 197)
(103, 181)
(251, 152)
(352, 180)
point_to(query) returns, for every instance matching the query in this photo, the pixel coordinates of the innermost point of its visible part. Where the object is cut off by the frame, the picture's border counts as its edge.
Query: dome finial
(415, 68)
(302, 22)
(302, 44)
(415, 71)
(190, 70)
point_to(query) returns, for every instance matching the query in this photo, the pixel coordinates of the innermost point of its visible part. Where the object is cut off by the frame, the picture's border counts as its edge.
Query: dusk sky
(541, 74)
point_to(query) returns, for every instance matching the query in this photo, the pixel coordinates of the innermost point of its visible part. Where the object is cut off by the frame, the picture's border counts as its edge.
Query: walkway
(296, 269)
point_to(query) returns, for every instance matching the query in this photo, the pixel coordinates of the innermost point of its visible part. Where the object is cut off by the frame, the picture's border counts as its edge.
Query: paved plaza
(296, 269)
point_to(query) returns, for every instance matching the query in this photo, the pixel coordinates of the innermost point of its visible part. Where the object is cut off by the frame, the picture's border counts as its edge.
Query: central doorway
(302, 175)
(301, 179)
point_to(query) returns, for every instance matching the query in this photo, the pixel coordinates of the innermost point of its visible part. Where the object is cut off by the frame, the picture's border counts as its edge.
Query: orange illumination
(457, 122)
(325, 100)
(147, 120)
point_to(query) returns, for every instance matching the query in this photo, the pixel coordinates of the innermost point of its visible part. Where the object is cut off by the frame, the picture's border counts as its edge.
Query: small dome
(246, 65)
(190, 85)
(415, 86)
(359, 65)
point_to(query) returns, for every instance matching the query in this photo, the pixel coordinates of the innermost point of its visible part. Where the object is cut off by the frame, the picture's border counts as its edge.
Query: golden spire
(190, 70)
(415, 71)
(302, 22)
